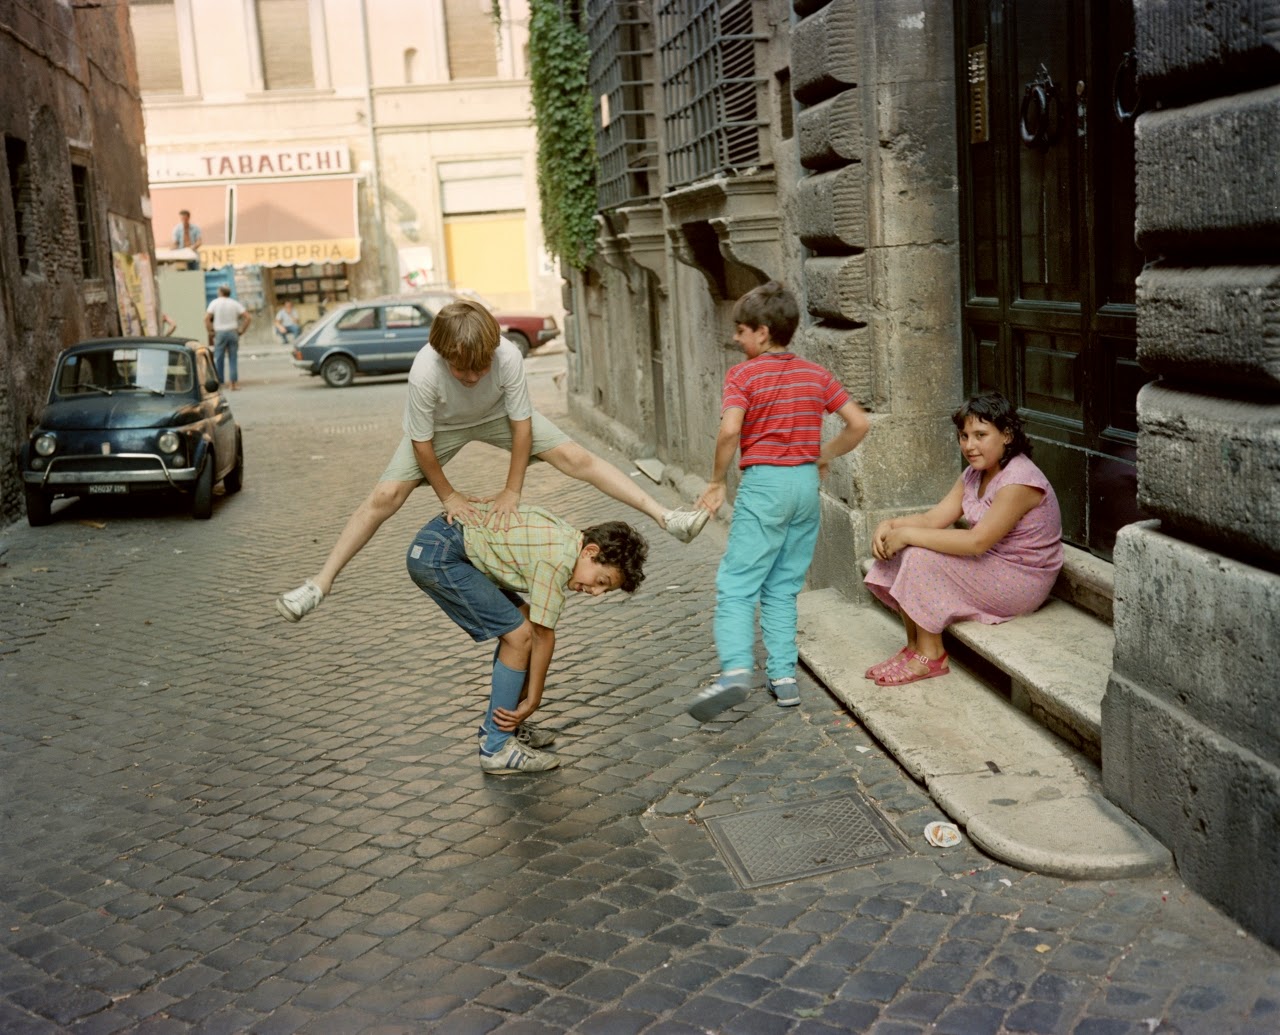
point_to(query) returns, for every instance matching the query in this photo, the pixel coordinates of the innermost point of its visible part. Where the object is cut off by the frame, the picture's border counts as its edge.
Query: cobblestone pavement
(215, 821)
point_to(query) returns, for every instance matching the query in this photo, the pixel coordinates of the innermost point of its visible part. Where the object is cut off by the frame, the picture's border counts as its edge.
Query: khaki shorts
(404, 465)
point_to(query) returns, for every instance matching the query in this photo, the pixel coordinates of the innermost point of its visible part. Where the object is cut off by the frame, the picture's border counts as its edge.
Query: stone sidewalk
(215, 821)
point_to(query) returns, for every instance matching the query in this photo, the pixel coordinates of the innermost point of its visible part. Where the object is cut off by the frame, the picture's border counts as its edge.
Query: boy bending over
(468, 385)
(475, 572)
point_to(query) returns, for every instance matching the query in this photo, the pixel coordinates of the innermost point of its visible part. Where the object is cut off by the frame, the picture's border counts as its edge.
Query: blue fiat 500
(133, 415)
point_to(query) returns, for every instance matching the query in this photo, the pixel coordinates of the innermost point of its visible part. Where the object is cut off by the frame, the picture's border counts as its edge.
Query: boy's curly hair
(769, 305)
(999, 412)
(465, 334)
(621, 547)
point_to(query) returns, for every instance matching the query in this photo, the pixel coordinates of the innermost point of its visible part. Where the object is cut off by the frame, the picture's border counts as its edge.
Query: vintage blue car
(133, 415)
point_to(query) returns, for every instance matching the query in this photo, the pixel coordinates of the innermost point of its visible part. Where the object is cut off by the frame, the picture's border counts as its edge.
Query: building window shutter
(284, 27)
(472, 39)
(155, 38)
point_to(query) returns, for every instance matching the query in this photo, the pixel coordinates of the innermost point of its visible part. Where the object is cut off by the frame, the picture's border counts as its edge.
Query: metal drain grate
(803, 838)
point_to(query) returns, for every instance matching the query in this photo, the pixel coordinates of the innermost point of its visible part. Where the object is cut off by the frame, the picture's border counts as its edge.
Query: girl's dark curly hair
(621, 547)
(999, 412)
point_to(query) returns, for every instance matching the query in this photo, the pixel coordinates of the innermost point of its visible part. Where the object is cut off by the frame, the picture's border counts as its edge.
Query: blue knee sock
(507, 685)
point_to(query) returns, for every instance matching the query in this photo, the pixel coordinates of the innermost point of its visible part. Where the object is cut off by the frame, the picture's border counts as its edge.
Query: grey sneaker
(730, 688)
(298, 602)
(684, 524)
(514, 757)
(785, 690)
(530, 735)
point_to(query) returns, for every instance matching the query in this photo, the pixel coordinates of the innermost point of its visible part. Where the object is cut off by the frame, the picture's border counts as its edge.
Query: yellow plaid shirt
(535, 557)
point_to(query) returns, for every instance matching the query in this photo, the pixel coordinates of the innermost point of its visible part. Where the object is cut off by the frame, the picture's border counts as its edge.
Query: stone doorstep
(1086, 581)
(1022, 795)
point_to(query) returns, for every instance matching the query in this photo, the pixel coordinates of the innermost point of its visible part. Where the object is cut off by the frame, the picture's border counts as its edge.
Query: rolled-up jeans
(226, 343)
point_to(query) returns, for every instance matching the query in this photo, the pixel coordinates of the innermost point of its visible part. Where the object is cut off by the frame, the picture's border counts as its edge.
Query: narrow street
(216, 821)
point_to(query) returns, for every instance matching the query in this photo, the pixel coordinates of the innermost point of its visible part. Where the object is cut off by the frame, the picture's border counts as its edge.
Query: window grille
(155, 36)
(84, 221)
(21, 195)
(621, 59)
(712, 94)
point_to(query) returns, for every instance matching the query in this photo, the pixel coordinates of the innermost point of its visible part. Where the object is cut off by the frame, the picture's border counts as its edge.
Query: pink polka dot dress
(1013, 578)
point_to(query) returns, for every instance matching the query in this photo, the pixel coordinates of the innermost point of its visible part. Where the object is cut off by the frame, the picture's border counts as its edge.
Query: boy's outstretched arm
(455, 504)
(544, 645)
(504, 514)
(727, 439)
(854, 431)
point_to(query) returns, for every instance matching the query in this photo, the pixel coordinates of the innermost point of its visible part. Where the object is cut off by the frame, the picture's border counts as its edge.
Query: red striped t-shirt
(784, 398)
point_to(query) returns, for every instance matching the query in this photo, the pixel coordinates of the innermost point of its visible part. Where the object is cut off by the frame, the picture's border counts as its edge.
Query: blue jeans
(771, 543)
(438, 563)
(226, 343)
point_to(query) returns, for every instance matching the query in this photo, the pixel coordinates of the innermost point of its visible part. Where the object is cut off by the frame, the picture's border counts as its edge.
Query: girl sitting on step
(1003, 565)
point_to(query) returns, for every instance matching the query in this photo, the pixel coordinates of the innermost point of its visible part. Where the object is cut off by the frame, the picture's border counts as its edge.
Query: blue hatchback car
(128, 416)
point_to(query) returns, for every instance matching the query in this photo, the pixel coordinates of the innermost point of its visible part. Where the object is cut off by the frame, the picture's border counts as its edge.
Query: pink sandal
(874, 671)
(900, 674)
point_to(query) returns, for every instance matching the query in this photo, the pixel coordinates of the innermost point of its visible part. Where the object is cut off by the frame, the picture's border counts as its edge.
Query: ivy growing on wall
(559, 56)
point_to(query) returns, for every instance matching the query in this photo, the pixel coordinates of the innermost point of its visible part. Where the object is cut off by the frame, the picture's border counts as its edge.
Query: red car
(525, 330)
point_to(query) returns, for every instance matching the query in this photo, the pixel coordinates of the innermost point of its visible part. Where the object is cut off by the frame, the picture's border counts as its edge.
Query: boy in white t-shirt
(468, 385)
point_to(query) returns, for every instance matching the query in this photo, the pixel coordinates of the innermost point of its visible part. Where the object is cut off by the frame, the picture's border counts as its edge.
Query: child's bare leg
(385, 499)
(571, 459)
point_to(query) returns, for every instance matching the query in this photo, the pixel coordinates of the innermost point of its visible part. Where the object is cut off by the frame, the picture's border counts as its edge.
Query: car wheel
(518, 339)
(202, 497)
(233, 481)
(38, 504)
(338, 371)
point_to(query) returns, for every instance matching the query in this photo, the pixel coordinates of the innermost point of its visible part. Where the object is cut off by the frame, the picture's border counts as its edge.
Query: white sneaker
(298, 602)
(685, 524)
(514, 757)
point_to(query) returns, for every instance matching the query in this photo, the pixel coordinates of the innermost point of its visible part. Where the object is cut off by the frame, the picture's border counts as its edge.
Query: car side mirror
(211, 385)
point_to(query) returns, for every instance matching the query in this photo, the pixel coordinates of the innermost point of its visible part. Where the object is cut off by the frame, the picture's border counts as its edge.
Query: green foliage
(559, 56)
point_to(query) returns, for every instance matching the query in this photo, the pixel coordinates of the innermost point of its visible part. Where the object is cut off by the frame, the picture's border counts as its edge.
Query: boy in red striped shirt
(772, 412)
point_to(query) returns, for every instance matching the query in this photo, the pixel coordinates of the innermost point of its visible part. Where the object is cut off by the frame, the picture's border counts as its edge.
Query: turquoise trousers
(771, 542)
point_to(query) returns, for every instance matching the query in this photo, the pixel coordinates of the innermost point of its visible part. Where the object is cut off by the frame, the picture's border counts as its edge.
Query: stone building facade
(954, 191)
(74, 178)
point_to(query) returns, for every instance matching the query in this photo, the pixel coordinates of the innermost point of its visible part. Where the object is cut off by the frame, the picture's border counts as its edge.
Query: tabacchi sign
(251, 163)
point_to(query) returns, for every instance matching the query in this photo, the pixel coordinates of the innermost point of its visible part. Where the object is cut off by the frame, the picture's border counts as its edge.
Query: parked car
(383, 335)
(133, 415)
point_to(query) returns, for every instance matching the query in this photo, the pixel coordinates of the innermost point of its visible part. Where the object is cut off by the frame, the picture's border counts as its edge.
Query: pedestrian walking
(772, 412)
(226, 319)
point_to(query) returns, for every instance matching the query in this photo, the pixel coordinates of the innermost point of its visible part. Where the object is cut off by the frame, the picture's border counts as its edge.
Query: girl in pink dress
(1003, 565)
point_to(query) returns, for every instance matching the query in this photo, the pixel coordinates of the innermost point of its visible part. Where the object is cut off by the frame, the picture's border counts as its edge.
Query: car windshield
(109, 370)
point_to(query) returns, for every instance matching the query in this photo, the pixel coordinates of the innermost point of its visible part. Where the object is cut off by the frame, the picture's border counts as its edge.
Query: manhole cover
(803, 839)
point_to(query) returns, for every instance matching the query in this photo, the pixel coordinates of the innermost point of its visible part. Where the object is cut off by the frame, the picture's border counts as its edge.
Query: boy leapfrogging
(468, 385)
(772, 410)
(475, 572)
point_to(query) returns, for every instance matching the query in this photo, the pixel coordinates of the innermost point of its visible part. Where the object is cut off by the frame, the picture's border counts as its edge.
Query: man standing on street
(187, 235)
(226, 319)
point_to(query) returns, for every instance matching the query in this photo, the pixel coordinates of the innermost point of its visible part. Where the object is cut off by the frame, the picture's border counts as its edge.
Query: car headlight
(548, 323)
(46, 444)
(168, 441)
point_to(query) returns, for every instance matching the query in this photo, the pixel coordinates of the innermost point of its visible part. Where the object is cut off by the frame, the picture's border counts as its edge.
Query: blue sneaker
(729, 689)
(785, 690)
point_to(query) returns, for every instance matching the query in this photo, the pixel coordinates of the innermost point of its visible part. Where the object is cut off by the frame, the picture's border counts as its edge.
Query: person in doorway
(186, 234)
(772, 414)
(468, 385)
(1003, 565)
(476, 572)
(226, 319)
(286, 323)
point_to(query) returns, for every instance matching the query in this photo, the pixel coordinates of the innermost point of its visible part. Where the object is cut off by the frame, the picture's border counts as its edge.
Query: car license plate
(94, 489)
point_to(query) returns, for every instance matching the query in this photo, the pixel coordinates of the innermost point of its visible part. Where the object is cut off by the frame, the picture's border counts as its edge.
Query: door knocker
(1040, 113)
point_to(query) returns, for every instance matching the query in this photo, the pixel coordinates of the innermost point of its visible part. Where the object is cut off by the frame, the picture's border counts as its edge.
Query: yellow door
(486, 253)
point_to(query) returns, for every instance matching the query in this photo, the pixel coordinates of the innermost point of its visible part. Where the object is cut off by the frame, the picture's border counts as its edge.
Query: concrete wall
(1189, 735)
(70, 90)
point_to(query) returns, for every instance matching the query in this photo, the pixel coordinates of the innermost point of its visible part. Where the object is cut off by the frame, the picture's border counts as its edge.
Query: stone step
(1087, 582)
(1021, 794)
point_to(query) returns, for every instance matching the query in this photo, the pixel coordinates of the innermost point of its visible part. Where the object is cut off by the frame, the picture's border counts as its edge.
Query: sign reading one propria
(250, 163)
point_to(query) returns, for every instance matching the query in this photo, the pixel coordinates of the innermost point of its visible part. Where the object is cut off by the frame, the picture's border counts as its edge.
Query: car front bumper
(82, 473)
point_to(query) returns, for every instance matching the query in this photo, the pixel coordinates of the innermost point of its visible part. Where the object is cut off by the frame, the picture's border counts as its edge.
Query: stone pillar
(1191, 719)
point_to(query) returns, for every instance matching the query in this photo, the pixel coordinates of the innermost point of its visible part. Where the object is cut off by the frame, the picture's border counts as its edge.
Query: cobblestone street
(216, 821)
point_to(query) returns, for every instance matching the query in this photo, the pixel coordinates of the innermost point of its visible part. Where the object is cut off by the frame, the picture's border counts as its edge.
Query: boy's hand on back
(457, 507)
(504, 513)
